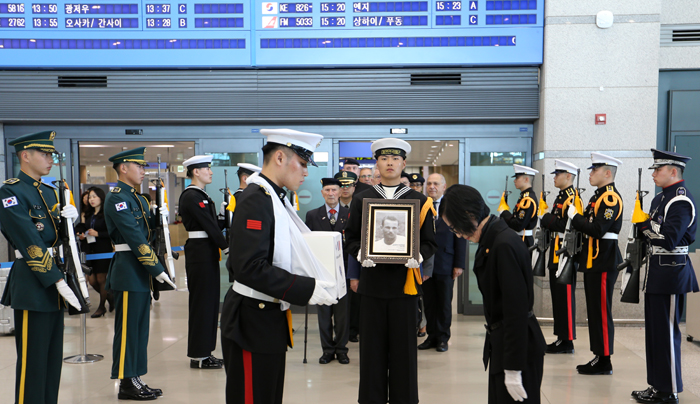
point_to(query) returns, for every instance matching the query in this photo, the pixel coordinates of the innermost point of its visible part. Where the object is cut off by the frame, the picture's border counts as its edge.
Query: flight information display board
(257, 33)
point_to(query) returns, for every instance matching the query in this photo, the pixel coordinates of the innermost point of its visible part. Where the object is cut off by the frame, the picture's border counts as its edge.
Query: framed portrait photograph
(390, 230)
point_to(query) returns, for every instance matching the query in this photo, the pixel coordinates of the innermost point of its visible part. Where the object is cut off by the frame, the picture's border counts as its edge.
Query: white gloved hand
(163, 278)
(514, 384)
(368, 263)
(84, 288)
(420, 258)
(571, 212)
(69, 212)
(225, 252)
(222, 208)
(412, 263)
(67, 293)
(165, 212)
(563, 259)
(321, 296)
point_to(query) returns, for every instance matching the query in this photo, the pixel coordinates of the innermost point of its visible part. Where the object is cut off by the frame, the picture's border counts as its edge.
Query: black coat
(451, 252)
(199, 214)
(556, 220)
(317, 220)
(103, 243)
(504, 274)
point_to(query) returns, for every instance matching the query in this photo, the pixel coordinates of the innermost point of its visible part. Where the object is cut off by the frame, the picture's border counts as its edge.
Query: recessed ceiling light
(98, 161)
(433, 147)
(437, 141)
(451, 145)
(93, 145)
(102, 154)
(190, 148)
(162, 145)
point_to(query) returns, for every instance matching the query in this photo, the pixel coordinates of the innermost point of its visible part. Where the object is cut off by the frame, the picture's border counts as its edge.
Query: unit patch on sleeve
(254, 225)
(120, 206)
(608, 214)
(521, 215)
(9, 202)
(201, 205)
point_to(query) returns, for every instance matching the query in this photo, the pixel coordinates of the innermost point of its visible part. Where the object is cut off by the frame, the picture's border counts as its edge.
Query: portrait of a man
(390, 232)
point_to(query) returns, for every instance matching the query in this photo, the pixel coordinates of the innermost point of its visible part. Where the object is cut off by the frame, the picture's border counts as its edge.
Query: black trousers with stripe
(563, 308)
(39, 341)
(252, 378)
(599, 287)
(663, 341)
(131, 328)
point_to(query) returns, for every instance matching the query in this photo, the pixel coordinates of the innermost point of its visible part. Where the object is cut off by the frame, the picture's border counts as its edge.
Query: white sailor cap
(523, 170)
(304, 144)
(197, 162)
(245, 168)
(564, 166)
(390, 146)
(600, 159)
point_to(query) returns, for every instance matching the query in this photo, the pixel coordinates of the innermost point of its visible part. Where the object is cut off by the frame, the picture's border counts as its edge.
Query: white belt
(18, 255)
(121, 247)
(244, 290)
(609, 236)
(198, 234)
(662, 251)
(561, 235)
(525, 233)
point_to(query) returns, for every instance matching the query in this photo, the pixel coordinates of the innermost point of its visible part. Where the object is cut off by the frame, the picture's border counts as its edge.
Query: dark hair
(464, 208)
(115, 166)
(100, 194)
(392, 218)
(270, 148)
(85, 208)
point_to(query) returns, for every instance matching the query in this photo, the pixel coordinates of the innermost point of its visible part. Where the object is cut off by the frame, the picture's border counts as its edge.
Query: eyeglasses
(347, 186)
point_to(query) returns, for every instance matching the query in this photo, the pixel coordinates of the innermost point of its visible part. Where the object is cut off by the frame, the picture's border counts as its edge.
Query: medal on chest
(332, 220)
(39, 226)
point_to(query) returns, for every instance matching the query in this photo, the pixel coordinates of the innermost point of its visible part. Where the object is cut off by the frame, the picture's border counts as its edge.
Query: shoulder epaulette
(264, 190)
(681, 191)
(570, 191)
(11, 181)
(116, 190)
(610, 188)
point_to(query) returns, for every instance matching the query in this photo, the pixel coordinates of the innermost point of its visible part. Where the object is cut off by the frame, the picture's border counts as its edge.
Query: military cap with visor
(663, 158)
(346, 178)
(130, 156)
(390, 146)
(42, 141)
(302, 143)
(247, 168)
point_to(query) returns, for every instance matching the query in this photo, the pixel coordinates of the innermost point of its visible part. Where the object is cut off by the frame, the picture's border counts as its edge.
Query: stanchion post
(306, 328)
(84, 357)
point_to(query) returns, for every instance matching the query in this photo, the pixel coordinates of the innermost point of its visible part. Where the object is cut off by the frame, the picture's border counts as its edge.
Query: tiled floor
(456, 376)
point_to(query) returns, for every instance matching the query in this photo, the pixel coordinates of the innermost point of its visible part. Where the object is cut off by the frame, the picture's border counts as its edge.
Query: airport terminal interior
(473, 86)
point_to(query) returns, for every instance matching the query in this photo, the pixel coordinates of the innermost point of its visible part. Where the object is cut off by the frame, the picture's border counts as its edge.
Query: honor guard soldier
(523, 219)
(416, 181)
(35, 286)
(203, 250)
(668, 231)
(348, 182)
(600, 224)
(245, 170)
(332, 217)
(388, 354)
(405, 179)
(129, 222)
(563, 296)
(353, 166)
(255, 330)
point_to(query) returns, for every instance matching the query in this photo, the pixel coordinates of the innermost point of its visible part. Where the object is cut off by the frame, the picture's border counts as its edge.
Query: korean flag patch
(9, 202)
(120, 206)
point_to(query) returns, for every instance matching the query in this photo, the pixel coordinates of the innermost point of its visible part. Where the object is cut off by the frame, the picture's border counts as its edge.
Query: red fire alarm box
(600, 119)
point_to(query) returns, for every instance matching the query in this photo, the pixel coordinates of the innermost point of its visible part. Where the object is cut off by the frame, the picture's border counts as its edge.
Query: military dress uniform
(202, 255)
(129, 223)
(563, 296)
(523, 219)
(668, 232)
(30, 219)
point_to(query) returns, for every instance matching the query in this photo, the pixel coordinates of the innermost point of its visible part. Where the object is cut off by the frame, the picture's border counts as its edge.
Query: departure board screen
(256, 33)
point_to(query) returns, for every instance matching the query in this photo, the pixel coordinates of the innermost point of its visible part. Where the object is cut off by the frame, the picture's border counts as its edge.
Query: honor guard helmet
(302, 143)
(42, 141)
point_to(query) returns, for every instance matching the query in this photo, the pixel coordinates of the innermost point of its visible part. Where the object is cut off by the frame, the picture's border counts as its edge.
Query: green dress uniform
(129, 223)
(31, 211)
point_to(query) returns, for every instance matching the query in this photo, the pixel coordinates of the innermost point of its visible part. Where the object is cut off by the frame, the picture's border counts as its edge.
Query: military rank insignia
(608, 214)
(9, 202)
(521, 215)
(34, 252)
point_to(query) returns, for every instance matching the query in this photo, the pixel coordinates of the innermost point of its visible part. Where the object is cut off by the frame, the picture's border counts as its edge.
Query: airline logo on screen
(269, 8)
(269, 22)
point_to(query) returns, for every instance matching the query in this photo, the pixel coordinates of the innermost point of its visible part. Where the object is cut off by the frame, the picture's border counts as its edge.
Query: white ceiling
(435, 152)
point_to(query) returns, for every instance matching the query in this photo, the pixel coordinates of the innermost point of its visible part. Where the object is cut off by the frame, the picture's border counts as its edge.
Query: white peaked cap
(561, 165)
(600, 159)
(524, 170)
(289, 137)
(197, 160)
(390, 143)
(249, 167)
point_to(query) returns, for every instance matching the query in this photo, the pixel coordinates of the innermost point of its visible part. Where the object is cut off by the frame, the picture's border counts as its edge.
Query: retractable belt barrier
(89, 257)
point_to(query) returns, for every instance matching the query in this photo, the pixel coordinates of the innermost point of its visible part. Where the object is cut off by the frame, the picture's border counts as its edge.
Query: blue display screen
(258, 33)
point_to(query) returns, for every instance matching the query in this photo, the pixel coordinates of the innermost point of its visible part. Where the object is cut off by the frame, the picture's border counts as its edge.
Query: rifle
(572, 244)
(503, 205)
(228, 214)
(635, 253)
(69, 262)
(161, 245)
(542, 238)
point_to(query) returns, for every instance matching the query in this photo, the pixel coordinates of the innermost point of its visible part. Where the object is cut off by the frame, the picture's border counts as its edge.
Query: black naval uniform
(563, 296)
(129, 222)
(29, 219)
(514, 340)
(670, 228)
(388, 348)
(202, 256)
(255, 333)
(523, 219)
(318, 220)
(601, 223)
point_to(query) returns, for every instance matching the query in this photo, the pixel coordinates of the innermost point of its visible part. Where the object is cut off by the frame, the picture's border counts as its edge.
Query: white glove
(222, 208)
(321, 296)
(225, 252)
(67, 293)
(69, 212)
(571, 212)
(165, 212)
(412, 263)
(83, 288)
(563, 259)
(420, 258)
(625, 279)
(514, 384)
(162, 277)
(368, 263)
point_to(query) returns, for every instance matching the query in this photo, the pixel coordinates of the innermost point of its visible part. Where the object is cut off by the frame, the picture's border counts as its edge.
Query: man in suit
(366, 175)
(348, 182)
(331, 217)
(449, 263)
(348, 187)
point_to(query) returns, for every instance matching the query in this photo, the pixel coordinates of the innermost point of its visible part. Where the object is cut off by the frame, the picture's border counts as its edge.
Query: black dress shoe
(326, 357)
(442, 347)
(215, 359)
(600, 365)
(99, 312)
(646, 392)
(654, 396)
(421, 334)
(207, 363)
(131, 389)
(353, 339)
(560, 347)
(342, 358)
(157, 392)
(427, 344)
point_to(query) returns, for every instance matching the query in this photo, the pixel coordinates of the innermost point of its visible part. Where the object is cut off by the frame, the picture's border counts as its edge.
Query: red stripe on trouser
(569, 314)
(604, 312)
(248, 376)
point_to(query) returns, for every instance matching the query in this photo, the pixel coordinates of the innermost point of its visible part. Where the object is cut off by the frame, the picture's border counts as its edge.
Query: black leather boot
(157, 392)
(131, 389)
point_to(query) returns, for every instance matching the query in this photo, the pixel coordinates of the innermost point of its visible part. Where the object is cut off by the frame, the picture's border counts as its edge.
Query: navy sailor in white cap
(600, 224)
(523, 219)
(202, 256)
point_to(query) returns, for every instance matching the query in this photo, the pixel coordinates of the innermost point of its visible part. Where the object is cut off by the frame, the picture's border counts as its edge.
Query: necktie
(437, 211)
(332, 212)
